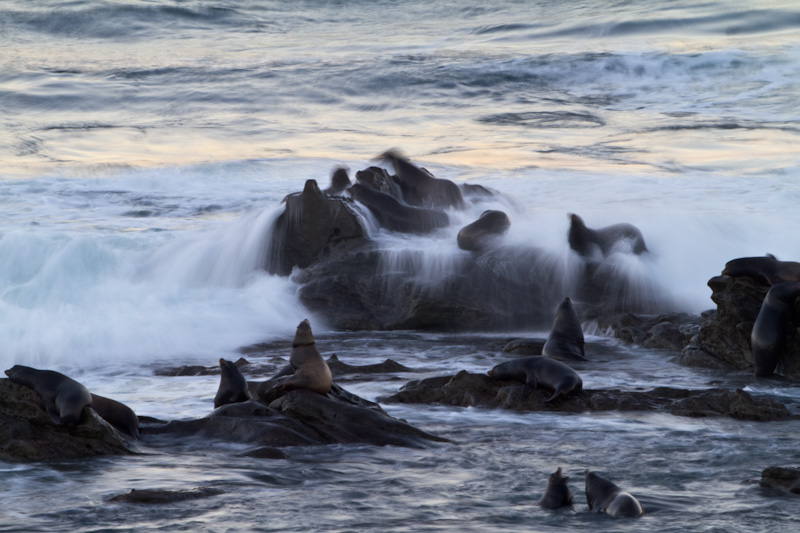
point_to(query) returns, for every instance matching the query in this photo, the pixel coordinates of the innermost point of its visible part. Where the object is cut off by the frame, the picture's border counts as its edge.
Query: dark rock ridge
(28, 434)
(778, 477)
(161, 496)
(477, 390)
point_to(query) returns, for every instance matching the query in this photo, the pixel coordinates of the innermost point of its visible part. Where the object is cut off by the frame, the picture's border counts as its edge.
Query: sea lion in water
(604, 496)
(232, 385)
(117, 414)
(766, 269)
(588, 242)
(557, 493)
(63, 397)
(310, 369)
(420, 187)
(537, 370)
(565, 342)
(339, 182)
(480, 234)
(396, 216)
(773, 326)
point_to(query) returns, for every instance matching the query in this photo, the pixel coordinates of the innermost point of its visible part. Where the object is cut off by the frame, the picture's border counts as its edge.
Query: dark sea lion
(604, 496)
(766, 269)
(232, 385)
(481, 233)
(117, 414)
(420, 187)
(396, 216)
(339, 182)
(776, 321)
(557, 493)
(589, 242)
(565, 342)
(310, 369)
(536, 370)
(63, 397)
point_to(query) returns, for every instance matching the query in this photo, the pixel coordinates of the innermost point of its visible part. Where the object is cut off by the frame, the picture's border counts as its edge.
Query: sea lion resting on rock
(307, 367)
(420, 187)
(479, 235)
(566, 341)
(232, 385)
(588, 242)
(396, 216)
(117, 414)
(537, 370)
(773, 326)
(63, 397)
(765, 269)
(604, 496)
(557, 493)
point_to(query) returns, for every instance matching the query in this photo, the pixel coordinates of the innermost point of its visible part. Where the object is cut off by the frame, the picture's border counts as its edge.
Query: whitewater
(146, 147)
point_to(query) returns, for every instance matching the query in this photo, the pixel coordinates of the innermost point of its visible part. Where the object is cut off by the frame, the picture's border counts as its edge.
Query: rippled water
(146, 146)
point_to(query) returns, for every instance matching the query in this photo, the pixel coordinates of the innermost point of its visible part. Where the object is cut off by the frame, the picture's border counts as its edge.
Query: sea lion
(537, 370)
(591, 242)
(232, 385)
(310, 369)
(117, 414)
(776, 321)
(604, 496)
(767, 269)
(480, 234)
(565, 342)
(396, 216)
(557, 493)
(339, 182)
(420, 187)
(63, 397)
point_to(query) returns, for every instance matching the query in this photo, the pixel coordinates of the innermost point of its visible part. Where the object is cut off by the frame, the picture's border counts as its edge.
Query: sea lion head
(303, 335)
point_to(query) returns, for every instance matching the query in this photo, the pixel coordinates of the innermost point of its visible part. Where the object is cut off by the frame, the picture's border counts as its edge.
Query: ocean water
(145, 149)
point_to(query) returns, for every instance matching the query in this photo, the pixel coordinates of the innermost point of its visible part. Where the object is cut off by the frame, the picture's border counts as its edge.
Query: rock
(667, 331)
(28, 434)
(339, 368)
(160, 496)
(313, 226)
(479, 390)
(265, 452)
(524, 347)
(776, 477)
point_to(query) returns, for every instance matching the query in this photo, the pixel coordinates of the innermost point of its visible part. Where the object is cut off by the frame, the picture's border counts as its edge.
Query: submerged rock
(777, 477)
(161, 496)
(28, 434)
(479, 390)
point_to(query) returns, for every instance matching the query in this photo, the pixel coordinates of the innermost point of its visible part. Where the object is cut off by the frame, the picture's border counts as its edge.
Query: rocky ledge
(477, 390)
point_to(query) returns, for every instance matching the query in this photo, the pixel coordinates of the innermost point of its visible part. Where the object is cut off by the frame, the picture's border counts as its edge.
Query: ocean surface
(145, 147)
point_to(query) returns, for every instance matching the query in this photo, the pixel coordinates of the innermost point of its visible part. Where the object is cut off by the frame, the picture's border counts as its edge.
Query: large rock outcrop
(28, 434)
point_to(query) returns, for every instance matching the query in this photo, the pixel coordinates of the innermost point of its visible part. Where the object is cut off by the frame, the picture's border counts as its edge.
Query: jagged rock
(313, 226)
(524, 346)
(667, 332)
(160, 496)
(777, 477)
(389, 366)
(28, 434)
(479, 390)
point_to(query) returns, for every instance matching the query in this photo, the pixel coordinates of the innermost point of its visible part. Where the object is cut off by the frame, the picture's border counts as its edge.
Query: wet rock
(478, 390)
(161, 496)
(313, 226)
(265, 452)
(28, 434)
(667, 331)
(524, 346)
(725, 336)
(777, 477)
(339, 368)
(195, 370)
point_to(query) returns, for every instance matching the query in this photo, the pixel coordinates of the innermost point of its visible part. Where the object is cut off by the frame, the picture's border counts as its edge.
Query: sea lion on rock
(479, 235)
(557, 493)
(766, 269)
(420, 187)
(565, 342)
(310, 369)
(604, 496)
(396, 216)
(339, 182)
(117, 414)
(588, 242)
(776, 321)
(232, 385)
(537, 370)
(63, 397)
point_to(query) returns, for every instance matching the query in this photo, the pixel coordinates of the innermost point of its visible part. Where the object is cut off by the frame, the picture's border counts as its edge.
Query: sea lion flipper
(529, 386)
(288, 370)
(55, 415)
